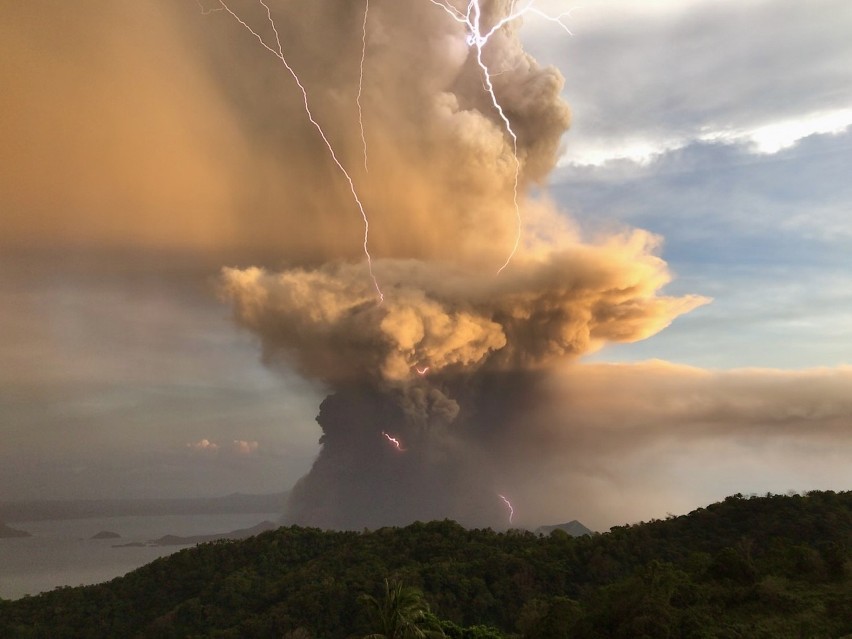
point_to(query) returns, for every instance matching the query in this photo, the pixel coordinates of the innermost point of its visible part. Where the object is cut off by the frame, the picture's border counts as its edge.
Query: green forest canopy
(773, 567)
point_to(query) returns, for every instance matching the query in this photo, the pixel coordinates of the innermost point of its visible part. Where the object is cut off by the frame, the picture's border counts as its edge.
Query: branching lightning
(509, 506)
(205, 11)
(279, 53)
(477, 36)
(394, 441)
(472, 19)
(361, 80)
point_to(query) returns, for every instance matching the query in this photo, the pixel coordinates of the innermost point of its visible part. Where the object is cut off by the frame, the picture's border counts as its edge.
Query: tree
(400, 613)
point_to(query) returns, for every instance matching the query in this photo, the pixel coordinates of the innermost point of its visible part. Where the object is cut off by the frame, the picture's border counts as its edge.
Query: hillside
(763, 567)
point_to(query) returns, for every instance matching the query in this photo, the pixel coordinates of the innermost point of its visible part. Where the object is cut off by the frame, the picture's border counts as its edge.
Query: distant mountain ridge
(234, 503)
(573, 528)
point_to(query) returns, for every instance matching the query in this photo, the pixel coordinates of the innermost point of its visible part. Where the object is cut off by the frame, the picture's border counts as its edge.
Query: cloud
(558, 304)
(650, 79)
(605, 444)
(112, 133)
(203, 446)
(187, 134)
(766, 236)
(615, 441)
(177, 146)
(243, 447)
(441, 218)
(238, 447)
(437, 244)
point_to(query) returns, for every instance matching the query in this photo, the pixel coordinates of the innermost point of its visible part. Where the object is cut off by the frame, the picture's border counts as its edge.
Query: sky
(699, 197)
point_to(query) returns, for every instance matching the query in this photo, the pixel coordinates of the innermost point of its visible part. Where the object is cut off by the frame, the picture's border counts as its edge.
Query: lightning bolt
(394, 441)
(205, 11)
(279, 53)
(509, 506)
(361, 80)
(472, 19)
(421, 371)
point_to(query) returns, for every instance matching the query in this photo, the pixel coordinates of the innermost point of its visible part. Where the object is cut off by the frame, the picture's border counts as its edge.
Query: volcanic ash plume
(447, 364)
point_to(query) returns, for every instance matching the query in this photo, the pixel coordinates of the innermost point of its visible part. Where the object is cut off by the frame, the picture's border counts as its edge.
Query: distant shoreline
(236, 503)
(6, 532)
(62, 552)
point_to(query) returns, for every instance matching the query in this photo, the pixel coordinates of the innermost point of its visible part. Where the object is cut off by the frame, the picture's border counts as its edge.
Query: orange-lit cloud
(554, 305)
(203, 446)
(112, 134)
(137, 124)
(243, 447)
(238, 447)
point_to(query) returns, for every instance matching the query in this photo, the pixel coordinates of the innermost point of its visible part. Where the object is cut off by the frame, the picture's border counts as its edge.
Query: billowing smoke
(452, 358)
(329, 322)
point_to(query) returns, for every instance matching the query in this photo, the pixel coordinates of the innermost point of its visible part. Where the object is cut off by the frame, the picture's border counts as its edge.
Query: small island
(7, 533)
(106, 534)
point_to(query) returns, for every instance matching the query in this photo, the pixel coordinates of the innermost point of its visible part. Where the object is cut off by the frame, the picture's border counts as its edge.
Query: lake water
(62, 553)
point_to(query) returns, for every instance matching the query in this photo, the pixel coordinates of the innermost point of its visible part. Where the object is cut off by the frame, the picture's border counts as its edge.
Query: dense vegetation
(760, 567)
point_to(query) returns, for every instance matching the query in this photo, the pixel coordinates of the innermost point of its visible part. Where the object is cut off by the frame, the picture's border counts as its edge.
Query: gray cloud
(694, 68)
(765, 236)
(637, 437)
(607, 444)
(109, 370)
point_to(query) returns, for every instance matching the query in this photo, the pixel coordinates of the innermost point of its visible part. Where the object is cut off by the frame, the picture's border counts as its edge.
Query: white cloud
(764, 139)
(783, 134)
(637, 150)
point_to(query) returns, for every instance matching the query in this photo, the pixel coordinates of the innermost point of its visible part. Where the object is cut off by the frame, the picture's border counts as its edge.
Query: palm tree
(401, 613)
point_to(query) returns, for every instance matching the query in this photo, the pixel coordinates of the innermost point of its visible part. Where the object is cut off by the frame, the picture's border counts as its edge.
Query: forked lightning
(478, 37)
(278, 52)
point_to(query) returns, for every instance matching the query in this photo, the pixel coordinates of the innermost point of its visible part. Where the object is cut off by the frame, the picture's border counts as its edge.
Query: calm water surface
(62, 553)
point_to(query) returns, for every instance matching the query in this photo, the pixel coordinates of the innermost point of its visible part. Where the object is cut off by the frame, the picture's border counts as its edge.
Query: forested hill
(760, 567)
